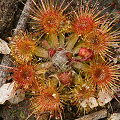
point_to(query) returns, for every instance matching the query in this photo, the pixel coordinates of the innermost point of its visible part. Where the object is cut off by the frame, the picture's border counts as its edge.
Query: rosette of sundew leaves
(73, 53)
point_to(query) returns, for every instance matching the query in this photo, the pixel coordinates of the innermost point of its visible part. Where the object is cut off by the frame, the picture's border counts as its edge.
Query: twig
(95, 116)
(24, 17)
(21, 25)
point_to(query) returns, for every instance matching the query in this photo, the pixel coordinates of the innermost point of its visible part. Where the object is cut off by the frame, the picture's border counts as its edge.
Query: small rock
(6, 92)
(104, 97)
(92, 102)
(18, 97)
(84, 103)
(4, 49)
(114, 116)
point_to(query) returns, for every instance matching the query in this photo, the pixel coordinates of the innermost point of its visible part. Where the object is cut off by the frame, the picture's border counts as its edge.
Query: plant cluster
(67, 57)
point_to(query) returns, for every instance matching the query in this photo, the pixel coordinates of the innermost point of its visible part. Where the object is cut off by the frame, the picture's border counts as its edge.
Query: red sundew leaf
(66, 78)
(51, 52)
(112, 4)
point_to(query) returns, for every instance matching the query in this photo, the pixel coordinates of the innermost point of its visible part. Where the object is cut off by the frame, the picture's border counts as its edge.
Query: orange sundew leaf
(48, 16)
(23, 46)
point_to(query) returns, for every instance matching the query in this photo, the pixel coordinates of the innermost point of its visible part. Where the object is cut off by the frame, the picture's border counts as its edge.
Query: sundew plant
(68, 56)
